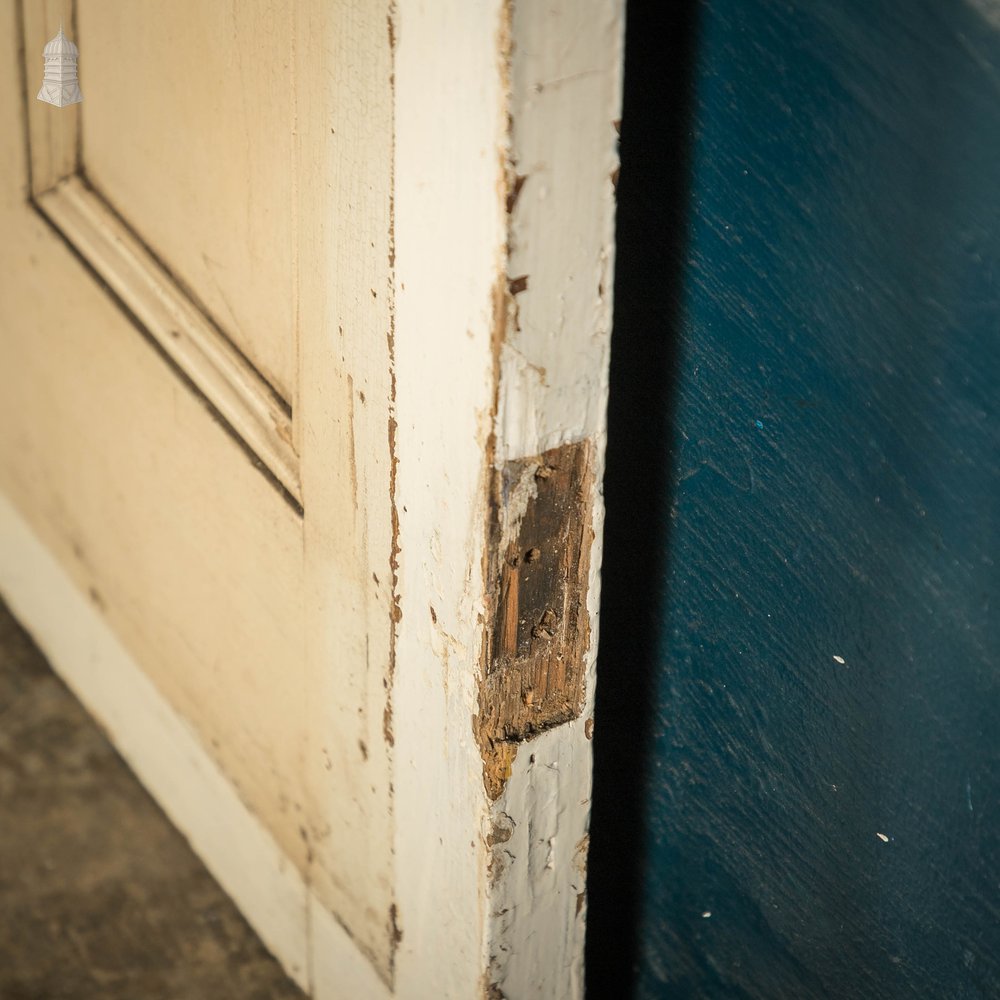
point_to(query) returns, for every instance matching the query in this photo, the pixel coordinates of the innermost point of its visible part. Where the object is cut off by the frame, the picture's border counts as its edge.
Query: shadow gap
(652, 225)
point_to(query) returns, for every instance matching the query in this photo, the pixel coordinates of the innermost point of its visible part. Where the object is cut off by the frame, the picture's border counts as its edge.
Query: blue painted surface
(820, 478)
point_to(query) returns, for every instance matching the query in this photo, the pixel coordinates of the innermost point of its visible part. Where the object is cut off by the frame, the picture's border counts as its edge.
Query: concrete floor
(100, 897)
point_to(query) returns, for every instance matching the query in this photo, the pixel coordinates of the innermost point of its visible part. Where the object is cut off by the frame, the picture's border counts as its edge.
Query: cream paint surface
(345, 149)
(215, 367)
(262, 628)
(205, 588)
(195, 100)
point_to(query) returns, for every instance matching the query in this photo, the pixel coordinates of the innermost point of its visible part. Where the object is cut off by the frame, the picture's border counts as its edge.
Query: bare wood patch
(538, 627)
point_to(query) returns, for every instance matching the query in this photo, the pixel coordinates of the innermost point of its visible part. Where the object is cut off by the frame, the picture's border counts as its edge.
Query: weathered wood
(552, 312)
(534, 653)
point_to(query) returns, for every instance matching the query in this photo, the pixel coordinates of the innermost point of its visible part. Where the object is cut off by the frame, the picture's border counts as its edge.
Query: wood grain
(537, 577)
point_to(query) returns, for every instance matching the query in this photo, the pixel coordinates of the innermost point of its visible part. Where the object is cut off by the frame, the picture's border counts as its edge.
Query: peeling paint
(395, 933)
(515, 191)
(538, 628)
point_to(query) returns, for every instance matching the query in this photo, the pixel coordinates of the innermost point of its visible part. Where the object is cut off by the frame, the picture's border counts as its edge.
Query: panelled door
(304, 325)
(187, 423)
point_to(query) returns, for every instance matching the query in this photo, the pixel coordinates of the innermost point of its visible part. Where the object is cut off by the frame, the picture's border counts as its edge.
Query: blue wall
(803, 465)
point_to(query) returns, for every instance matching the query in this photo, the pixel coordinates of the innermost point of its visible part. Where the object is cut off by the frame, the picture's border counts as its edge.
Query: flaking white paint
(564, 100)
(565, 96)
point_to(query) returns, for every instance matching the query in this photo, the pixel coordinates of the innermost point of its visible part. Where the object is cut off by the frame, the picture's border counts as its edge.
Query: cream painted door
(270, 355)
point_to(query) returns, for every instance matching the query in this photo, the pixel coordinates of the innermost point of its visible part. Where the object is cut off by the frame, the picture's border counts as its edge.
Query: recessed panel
(188, 125)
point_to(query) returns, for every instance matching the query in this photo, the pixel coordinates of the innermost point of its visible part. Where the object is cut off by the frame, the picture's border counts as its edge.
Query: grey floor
(100, 898)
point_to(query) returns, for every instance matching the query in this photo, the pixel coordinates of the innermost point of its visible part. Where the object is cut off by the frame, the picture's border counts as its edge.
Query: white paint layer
(448, 238)
(339, 971)
(564, 99)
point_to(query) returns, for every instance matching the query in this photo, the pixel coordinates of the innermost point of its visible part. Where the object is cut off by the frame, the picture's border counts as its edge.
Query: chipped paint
(538, 629)
(550, 353)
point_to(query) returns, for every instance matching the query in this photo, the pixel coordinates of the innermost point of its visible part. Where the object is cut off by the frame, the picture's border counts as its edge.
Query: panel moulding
(198, 350)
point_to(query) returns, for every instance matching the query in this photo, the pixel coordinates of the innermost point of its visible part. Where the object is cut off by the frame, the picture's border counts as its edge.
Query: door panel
(148, 225)
(267, 442)
(192, 105)
(147, 424)
(107, 473)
